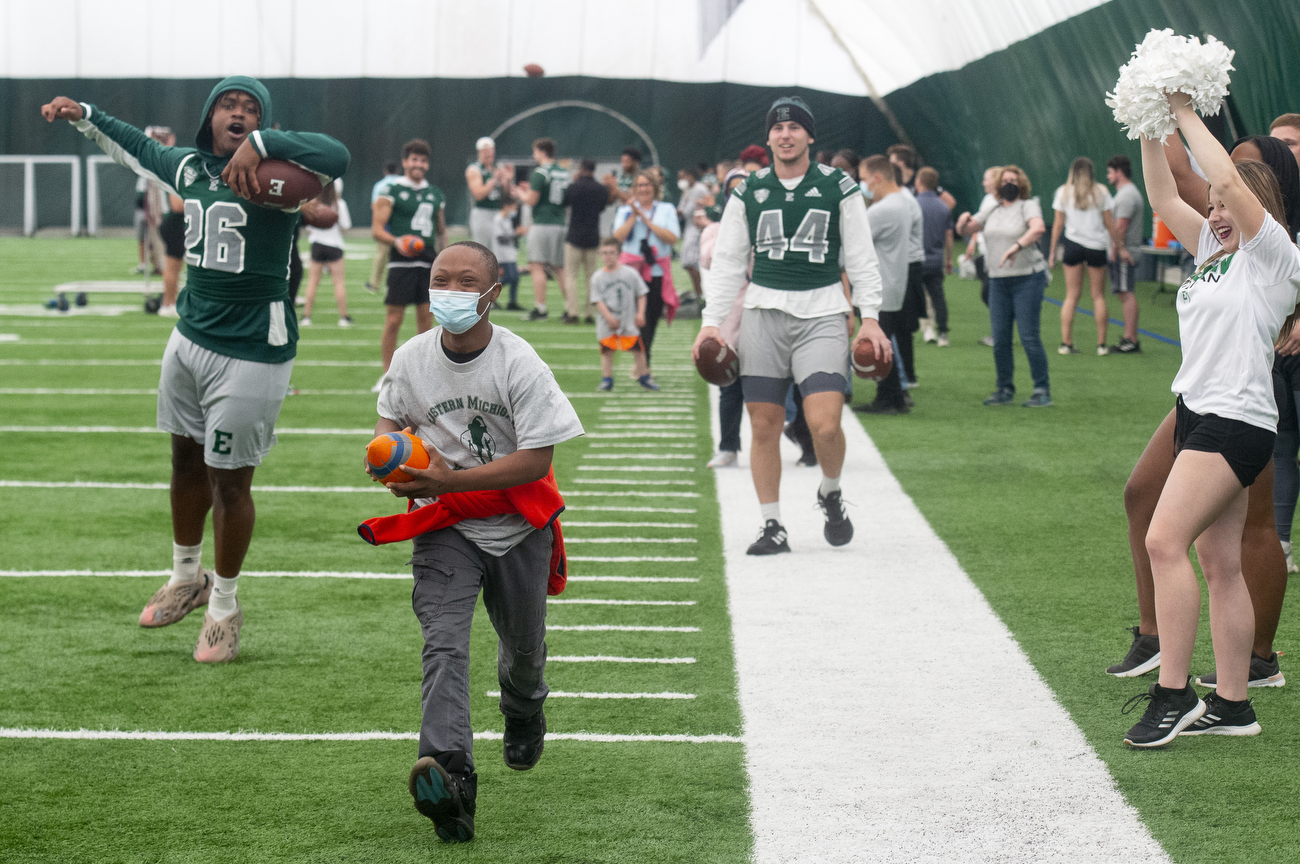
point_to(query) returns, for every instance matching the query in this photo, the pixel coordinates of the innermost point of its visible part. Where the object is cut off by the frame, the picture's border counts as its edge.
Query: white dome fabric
(853, 47)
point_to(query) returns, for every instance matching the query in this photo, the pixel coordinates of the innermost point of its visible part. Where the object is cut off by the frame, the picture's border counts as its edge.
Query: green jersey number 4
(224, 249)
(810, 237)
(422, 220)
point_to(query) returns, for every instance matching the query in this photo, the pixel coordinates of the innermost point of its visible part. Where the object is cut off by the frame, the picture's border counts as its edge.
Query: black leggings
(654, 310)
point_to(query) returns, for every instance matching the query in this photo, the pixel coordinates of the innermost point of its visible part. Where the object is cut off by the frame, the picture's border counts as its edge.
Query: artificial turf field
(1029, 501)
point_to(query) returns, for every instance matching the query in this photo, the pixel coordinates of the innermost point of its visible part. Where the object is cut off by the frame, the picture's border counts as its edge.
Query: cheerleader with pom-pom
(1230, 312)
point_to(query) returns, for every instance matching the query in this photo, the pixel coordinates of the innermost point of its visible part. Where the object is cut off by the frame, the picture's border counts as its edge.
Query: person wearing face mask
(1011, 225)
(490, 413)
(1231, 311)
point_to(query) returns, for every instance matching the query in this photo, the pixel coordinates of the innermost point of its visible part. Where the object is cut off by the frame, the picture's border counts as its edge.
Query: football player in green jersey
(793, 219)
(226, 368)
(545, 194)
(486, 181)
(411, 208)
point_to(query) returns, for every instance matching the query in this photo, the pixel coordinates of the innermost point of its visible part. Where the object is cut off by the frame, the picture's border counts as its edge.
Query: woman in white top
(1083, 215)
(327, 251)
(1231, 311)
(648, 228)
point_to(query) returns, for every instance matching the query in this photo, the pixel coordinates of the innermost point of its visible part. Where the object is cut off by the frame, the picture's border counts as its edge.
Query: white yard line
(632, 579)
(600, 628)
(345, 364)
(607, 435)
(561, 694)
(593, 737)
(625, 559)
(970, 760)
(586, 509)
(605, 658)
(593, 602)
(631, 525)
(311, 574)
(596, 445)
(613, 481)
(615, 493)
(89, 484)
(633, 469)
(153, 430)
(571, 540)
(635, 455)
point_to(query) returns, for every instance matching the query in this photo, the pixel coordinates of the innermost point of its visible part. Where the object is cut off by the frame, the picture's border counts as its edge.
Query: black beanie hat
(791, 108)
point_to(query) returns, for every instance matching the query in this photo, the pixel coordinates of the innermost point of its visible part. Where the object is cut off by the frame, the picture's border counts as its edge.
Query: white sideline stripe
(605, 658)
(594, 737)
(630, 525)
(631, 579)
(623, 559)
(637, 456)
(88, 484)
(620, 494)
(593, 602)
(568, 540)
(156, 431)
(638, 468)
(561, 694)
(959, 778)
(585, 509)
(594, 628)
(612, 481)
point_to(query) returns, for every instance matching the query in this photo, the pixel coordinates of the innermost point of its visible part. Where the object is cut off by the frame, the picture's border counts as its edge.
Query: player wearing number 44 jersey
(226, 367)
(794, 218)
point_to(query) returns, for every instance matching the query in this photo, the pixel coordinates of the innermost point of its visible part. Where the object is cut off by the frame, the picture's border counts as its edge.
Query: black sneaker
(524, 740)
(82, 299)
(1264, 672)
(770, 541)
(1040, 399)
(1168, 713)
(514, 307)
(1222, 717)
(1143, 656)
(590, 319)
(1001, 397)
(570, 319)
(838, 529)
(882, 408)
(446, 798)
(1127, 346)
(807, 459)
(537, 315)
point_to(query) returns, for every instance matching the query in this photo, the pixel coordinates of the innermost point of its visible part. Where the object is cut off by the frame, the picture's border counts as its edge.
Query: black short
(408, 285)
(1247, 449)
(1076, 254)
(172, 232)
(325, 254)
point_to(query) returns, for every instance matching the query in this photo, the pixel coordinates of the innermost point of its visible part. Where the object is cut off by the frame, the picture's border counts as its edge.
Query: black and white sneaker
(1263, 673)
(771, 540)
(1127, 346)
(536, 315)
(1168, 713)
(446, 797)
(838, 529)
(1143, 656)
(1222, 717)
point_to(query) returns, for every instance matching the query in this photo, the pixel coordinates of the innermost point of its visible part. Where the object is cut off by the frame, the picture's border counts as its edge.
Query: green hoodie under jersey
(236, 298)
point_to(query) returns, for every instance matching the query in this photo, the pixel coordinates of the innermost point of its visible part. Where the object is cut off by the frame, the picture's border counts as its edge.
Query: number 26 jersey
(795, 233)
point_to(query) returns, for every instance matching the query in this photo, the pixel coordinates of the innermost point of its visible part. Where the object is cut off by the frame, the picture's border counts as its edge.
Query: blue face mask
(456, 311)
(866, 193)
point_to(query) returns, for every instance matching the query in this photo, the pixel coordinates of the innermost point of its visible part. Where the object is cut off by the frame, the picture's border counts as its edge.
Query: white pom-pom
(1164, 64)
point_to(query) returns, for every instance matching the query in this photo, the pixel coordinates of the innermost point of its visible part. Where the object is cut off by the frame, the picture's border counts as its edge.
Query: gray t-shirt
(916, 242)
(504, 400)
(1003, 226)
(619, 291)
(892, 219)
(1128, 204)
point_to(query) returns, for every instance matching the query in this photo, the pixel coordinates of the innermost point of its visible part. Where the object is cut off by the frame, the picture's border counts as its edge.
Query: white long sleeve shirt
(731, 257)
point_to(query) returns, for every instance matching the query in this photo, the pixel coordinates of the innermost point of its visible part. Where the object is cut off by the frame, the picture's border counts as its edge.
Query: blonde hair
(652, 177)
(1262, 182)
(1084, 183)
(1022, 180)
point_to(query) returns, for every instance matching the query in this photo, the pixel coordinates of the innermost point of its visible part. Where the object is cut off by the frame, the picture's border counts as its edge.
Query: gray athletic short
(777, 349)
(480, 225)
(546, 245)
(229, 405)
(1123, 276)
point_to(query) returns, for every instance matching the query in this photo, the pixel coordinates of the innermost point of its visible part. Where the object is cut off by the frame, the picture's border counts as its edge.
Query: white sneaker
(1290, 562)
(379, 385)
(1102, 350)
(305, 322)
(987, 340)
(724, 459)
(345, 321)
(168, 311)
(942, 341)
(300, 301)
(928, 334)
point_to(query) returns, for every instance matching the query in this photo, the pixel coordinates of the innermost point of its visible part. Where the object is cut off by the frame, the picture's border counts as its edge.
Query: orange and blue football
(388, 451)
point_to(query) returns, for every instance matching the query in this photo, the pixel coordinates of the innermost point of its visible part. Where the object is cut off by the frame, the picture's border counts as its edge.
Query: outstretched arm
(1246, 210)
(127, 145)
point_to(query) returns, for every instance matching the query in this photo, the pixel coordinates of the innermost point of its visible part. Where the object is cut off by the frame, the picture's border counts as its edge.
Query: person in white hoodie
(327, 251)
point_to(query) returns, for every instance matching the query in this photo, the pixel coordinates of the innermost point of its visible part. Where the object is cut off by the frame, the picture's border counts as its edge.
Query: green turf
(1031, 503)
(325, 655)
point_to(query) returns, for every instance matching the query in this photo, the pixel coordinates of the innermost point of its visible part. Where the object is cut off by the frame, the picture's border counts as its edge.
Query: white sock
(541, 307)
(770, 511)
(185, 563)
(222, 602)
(829, 485)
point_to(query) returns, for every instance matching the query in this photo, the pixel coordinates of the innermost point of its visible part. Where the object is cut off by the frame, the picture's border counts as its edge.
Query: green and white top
(491, 201)
(414, 207)
(550, 181)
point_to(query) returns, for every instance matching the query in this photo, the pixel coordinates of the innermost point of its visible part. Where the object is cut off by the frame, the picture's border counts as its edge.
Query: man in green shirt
(225, 371)
(485, 180)
(545, 194)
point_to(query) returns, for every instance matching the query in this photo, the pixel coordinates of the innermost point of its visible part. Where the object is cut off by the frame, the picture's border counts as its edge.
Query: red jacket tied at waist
(538, 502)
(671, 301)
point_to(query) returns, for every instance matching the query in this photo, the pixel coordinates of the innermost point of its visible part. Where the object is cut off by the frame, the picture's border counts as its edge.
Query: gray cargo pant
(448, 575)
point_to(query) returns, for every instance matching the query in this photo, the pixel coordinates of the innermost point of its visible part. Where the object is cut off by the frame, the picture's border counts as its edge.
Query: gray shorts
(480, 225)
(1123, 276)
(229, 405)
(777, 349)
(546, 245)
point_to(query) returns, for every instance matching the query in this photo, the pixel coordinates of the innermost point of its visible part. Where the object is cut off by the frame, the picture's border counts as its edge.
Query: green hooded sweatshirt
(236, 298)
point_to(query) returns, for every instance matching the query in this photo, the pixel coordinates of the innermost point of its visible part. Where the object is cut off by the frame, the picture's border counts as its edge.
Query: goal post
(29, 164)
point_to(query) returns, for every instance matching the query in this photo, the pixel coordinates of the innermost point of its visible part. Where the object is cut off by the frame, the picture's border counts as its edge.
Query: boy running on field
(619, 295)
(490, 413)
(225, 371)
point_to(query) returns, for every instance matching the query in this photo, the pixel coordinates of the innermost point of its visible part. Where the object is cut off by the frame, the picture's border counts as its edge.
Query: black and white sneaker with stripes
(771, 540)
(1168, 713)
(1222, 717)
(838, 529)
